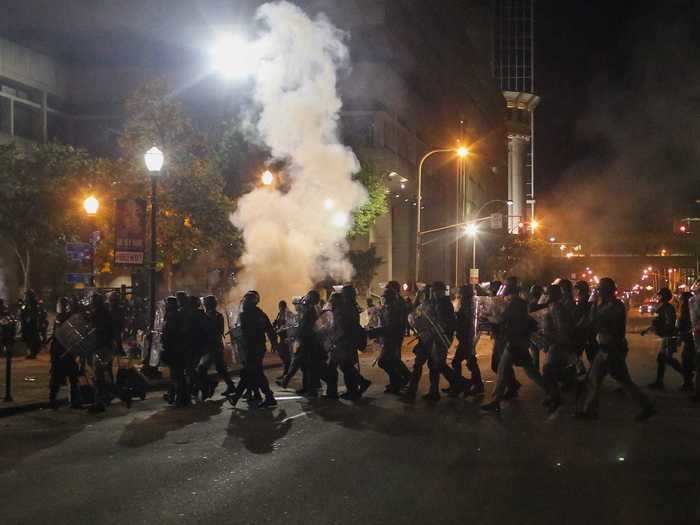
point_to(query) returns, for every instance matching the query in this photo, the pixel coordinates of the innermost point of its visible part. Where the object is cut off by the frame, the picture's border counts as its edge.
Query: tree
(35, 215)
(365, 263)
(527, 257)
(193, 213)
(376, 205)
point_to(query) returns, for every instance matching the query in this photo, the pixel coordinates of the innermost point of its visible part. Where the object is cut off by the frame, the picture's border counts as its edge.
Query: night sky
(619, 121)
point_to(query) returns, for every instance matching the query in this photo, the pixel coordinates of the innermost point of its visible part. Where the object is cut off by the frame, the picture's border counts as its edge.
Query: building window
(28, 123)
(58, 128)
(5, 116)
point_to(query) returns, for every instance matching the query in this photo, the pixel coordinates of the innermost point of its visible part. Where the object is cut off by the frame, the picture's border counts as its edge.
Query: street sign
(474, 276)
(496, 221)
(78, 251)
(79, 278)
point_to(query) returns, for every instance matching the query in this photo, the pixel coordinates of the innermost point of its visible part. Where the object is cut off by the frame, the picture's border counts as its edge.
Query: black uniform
(255, 326)
(466, 351)
(609, 321)
(664, 325)
(63, 366)
(391, 332)
(30, 318)
(213, 333)
(308, 356)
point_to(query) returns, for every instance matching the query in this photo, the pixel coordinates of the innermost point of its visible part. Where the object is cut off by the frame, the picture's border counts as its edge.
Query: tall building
(514, 69)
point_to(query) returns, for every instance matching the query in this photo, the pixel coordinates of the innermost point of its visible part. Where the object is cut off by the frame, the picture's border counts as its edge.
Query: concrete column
(517, 148)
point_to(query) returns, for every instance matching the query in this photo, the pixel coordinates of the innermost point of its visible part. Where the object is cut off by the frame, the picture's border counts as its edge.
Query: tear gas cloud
(296, 237)
(637, 170)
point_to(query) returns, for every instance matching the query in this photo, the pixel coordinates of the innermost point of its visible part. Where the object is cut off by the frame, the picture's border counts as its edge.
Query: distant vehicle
(648, 307)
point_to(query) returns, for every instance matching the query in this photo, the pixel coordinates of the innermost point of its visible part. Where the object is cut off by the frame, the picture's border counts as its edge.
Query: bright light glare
(462, 151)
(231, 56)
(471, 229)
(154, 159)
(267, 177)
(534, 224)
(91, 205)
(340, 219)
(328, 204)
(552, 239)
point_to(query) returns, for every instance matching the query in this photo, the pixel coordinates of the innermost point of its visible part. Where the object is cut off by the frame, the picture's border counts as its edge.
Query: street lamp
(267, 178)
(91, 205)
(472, 230)
(154, 162)
(461, 152)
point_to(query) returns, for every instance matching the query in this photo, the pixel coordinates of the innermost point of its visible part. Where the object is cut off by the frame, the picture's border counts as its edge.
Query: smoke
(636, 145)
(295, 235)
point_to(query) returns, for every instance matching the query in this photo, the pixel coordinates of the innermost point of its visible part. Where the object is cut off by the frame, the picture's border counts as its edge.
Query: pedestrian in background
(30, 319)
(664, 326)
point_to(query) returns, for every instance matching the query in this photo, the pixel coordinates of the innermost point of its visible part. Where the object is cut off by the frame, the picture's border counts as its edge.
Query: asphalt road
(380, 460)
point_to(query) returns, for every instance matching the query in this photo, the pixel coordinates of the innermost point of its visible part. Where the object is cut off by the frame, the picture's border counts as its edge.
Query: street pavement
(380, 460)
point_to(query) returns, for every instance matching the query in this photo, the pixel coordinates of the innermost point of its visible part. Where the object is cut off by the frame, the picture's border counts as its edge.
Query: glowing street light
(534, 224)
(91, 205)
(552, 239)
(340, 219)
(231, 56)
(462, 152)
(154, 160)
(267, 177)
(471, 229)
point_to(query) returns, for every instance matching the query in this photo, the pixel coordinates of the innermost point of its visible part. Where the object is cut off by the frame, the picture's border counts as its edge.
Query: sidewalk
(30, 381)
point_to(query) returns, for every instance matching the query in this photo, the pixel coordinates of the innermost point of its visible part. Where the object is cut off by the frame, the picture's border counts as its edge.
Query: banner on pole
(130, 231)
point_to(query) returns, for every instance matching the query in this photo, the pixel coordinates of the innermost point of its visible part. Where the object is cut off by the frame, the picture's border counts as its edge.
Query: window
(5, 116)
(28, 123)
(58, 128)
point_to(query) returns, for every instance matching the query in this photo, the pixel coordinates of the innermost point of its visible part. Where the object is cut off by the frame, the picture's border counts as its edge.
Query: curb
(155, 385)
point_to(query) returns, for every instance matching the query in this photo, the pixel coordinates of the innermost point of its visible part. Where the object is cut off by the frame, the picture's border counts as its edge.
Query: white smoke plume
(297, 237)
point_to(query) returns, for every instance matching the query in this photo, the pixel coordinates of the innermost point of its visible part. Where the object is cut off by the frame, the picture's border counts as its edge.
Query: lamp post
(91, 205)
(472, 230)
(267, 178)
(154, 163)
(461, 152)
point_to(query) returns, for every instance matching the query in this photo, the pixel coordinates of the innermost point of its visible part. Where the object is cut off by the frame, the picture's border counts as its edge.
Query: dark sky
(618, 127)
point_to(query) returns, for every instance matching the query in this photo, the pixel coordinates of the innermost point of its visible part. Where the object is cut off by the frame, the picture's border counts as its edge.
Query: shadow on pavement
(257, 430)
(364, 415)
(141, 432)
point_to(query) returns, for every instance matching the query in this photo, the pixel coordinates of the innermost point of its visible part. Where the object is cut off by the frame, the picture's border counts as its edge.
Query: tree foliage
(365, 263)
(376, 205)
(34, 184)
(193, 211)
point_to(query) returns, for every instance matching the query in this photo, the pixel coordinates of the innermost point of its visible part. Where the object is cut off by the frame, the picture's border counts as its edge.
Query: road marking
(286, 398)
(294, 417)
